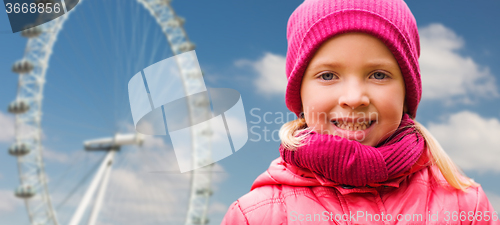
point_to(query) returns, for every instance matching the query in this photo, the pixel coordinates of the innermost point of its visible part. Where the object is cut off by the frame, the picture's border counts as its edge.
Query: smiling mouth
(352, 126)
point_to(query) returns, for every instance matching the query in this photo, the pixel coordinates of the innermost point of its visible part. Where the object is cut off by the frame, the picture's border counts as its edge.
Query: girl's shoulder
(440, 193)
(263, 205)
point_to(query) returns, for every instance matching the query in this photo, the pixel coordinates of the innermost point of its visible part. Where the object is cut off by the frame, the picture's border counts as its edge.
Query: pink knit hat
(315, 21)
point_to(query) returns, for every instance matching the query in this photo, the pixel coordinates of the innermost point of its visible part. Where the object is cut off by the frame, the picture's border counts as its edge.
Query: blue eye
(327, 76)
(379, 75)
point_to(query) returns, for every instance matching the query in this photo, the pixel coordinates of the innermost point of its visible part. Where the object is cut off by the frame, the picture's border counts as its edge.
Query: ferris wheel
(27, 107)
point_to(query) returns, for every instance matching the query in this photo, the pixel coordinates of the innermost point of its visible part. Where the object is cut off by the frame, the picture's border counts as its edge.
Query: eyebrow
(371, 64)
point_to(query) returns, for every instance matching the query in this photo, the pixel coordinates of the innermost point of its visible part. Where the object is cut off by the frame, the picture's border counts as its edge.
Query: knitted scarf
(349, 162)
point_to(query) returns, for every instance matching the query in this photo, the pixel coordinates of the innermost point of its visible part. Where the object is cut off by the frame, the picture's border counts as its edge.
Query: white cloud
(53, 156)
(151, 142)
(7, 124)
(7, 131)
(471, 141)
(217, 207)
(447, 75)
(271, 75)
(219, 175)
(494, 200)
(9, 202)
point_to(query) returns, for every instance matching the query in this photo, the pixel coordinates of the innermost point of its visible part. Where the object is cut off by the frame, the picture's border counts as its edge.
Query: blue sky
(240, 45)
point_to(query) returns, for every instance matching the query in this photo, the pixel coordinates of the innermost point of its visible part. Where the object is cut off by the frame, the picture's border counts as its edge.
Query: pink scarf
(349, 162)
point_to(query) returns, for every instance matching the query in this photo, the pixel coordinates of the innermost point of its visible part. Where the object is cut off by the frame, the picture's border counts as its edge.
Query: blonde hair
(294, 132)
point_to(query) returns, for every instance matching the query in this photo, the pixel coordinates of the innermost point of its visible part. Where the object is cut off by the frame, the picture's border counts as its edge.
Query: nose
(354, 95)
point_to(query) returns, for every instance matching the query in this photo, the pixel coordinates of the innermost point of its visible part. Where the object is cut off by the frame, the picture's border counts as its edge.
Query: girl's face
(353, 88)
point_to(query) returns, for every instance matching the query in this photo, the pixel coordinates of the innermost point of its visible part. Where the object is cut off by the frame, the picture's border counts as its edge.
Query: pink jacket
(285, 194)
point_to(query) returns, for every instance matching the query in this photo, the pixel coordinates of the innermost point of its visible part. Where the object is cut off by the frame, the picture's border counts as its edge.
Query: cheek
(389, 105)
(316, 98)
(316, 112)
(390, 99)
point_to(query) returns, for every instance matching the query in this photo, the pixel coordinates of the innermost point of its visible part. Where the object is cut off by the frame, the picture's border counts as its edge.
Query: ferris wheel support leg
(75, 220)
(100, 194)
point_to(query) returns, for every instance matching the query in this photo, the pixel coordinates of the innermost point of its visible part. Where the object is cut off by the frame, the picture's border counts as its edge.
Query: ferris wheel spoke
(165, 185)
(74, 124)
(93, 110)
(79, 185)
(116, 196)
(59, 180)
(89, 92)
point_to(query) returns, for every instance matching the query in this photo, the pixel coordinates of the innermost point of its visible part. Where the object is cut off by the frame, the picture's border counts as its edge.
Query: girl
(356, 155)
